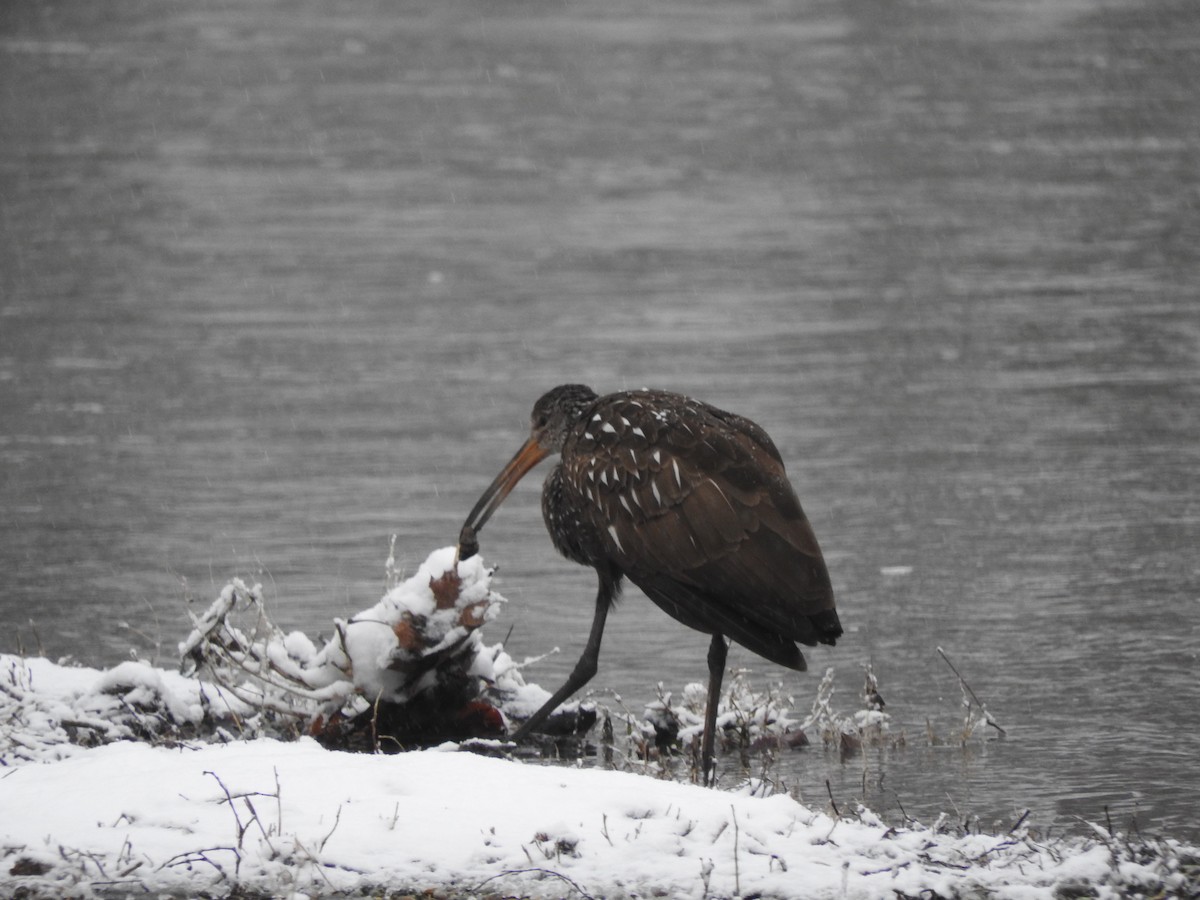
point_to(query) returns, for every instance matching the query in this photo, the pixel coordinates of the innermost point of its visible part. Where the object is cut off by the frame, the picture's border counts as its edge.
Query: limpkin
(692, 505)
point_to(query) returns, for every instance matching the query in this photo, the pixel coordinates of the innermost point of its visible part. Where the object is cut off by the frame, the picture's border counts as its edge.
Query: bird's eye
(540, 421)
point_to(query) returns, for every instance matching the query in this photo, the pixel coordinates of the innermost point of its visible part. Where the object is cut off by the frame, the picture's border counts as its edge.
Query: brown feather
(693, 504)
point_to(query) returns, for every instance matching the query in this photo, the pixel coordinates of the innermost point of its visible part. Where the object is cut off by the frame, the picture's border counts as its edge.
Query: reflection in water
(276, 286)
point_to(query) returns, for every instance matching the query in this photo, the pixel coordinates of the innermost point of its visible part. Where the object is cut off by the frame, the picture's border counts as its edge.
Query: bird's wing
(684, 494)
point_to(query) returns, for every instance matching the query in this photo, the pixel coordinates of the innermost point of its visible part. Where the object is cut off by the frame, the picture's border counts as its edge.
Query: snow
(292, 819)
(132, 781)
(304, 820)
(391, 652)
(370, 641)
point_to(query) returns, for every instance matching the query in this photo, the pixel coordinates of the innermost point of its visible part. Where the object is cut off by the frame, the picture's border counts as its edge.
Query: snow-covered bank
(294, 818)
(286, 819)
(136, 780)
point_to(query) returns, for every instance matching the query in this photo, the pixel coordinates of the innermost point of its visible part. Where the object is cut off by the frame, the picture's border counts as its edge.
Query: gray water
(281, 279)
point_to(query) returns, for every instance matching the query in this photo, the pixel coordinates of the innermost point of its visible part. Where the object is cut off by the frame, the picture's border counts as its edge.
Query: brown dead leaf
(446, 589)
(473, 615)
(408, 633)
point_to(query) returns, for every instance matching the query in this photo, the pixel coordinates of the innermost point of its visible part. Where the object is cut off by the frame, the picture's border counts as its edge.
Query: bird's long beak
(530, 454)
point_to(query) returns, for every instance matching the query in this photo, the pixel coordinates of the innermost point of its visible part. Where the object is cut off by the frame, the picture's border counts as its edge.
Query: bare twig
(278, 802)
(37, 638)
(336, 820)
(1019, 822)
(737, 877)
(539, 871)
(195, 856)
(986, 715)
(832, 802)
(319, 867)
(375, 724)
(254, 818)
(241, 829)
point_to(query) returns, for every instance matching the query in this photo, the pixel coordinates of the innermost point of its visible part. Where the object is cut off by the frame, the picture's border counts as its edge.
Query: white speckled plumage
(689, 502)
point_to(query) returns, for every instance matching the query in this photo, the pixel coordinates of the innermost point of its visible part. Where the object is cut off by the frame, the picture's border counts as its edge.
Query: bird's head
(549, 423)
(554, 414)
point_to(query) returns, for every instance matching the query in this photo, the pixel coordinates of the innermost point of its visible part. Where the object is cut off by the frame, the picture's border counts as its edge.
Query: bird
(689, 503)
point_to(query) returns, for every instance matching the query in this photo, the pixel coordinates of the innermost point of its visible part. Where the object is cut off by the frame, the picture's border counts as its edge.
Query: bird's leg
(588, 663)
(717, 651)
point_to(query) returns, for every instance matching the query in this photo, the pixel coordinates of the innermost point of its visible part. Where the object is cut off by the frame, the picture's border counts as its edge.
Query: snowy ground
(118, 783)
(291, 819)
